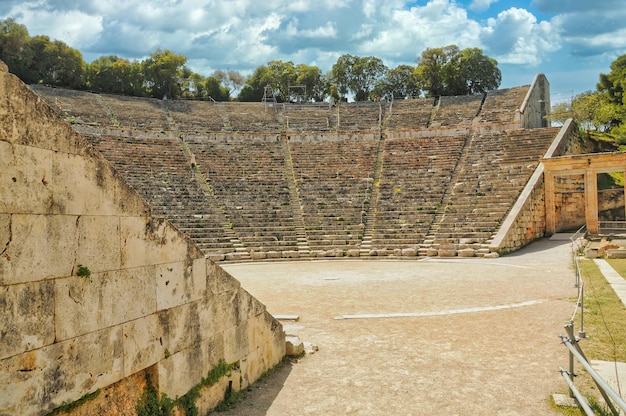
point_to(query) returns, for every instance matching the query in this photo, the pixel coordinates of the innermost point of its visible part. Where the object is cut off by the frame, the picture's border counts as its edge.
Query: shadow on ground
(258, 398)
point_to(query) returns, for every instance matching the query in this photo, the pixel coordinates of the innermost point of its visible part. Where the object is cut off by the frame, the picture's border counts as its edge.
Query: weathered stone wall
(150, 299)
(536, 105)
(527, 219)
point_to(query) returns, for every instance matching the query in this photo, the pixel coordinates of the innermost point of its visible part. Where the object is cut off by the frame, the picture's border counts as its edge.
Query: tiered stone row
(409, 114)
(247, 176)
(456, 111)
(495, 170)
(501, 106)
(334, 179)
(275, 193)
(159, 170)
(416, 172)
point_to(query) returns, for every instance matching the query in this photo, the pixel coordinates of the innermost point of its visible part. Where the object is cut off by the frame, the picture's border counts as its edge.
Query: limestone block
(258, 255)
(179, 283)
(227, 312)
(236, 342)
(616, 253)
(290, 254)
(84, 185)
(26, 317)
(188, 324)
(382, 252)
(219, 280)
(466, 252)
(492, 255)
(84, 305)
(397, 252)
(432, 252)
(142, 343)
(447, 252)
(294, 346)
(146, 241)
(409, 252)
(39, 381)
(273, 254)
(40, 247)
(353, 253)
(99, 243)
(215, 256)
(25, 174)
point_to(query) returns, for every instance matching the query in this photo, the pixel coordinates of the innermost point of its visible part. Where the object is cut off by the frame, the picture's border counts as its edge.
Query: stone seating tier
(354, 190)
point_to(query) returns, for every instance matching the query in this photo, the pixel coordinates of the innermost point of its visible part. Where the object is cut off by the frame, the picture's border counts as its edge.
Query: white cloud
(516, 37)
(481, 5)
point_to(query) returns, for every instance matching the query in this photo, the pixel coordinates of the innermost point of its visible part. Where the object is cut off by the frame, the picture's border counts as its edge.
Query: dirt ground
(467, 336)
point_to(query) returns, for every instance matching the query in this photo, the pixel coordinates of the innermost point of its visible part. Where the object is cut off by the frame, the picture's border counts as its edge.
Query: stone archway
(589, 165)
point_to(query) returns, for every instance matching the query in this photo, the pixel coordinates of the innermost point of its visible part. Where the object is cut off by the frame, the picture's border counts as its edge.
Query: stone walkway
(434, 336)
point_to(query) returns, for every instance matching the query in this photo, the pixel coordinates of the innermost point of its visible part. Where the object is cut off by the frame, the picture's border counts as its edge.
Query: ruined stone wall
(536, 105)
(93, 290)
(527, 219)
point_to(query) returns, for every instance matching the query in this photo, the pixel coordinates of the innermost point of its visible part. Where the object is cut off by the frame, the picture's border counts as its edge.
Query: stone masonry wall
(536, 104)
(149, 299)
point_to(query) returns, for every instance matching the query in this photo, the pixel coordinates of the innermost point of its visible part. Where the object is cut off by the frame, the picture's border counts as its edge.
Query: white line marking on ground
(438, 313)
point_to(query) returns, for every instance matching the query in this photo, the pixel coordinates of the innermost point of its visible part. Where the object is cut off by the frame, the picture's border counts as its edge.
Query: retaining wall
(93, 289)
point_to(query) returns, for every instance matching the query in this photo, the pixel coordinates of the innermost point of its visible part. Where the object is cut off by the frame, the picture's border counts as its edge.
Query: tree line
(446, 70)
(602, 110)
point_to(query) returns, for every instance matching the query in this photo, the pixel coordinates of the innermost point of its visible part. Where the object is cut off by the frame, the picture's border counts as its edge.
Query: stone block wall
(93, 289)
(536, 105)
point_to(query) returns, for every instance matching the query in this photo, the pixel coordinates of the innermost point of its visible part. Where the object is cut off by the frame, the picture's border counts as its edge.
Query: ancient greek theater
(149, 247)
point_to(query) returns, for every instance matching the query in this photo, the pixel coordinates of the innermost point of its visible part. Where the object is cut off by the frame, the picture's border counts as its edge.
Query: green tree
(452, 71)
(432, 68)
(161, 72)
(233, 80)
(14, 48)
(56, 63)
(310, 79)
(116, 75)
(400, 82)
(357, 75)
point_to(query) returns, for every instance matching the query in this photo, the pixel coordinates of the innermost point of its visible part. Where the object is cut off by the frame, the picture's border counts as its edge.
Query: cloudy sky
(571, 41)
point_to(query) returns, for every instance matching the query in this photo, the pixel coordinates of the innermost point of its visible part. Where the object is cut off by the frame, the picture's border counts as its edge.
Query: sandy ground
(469, 336)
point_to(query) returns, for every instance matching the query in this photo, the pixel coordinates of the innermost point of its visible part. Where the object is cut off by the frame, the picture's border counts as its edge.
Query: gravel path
(468, 336)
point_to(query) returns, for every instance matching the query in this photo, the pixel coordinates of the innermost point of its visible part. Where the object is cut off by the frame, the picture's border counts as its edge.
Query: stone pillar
(591, 201)
(548, 183)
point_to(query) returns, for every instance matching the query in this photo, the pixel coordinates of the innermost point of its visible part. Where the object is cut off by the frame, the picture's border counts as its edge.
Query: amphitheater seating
(495, 169)
(365, 116)
(200, 117)
(415, 175)
(77, 107)
(308, 117)
(334, 179)
(456, 111)
(411, 113)
(292, 177)
(501, 106)
(160, 171)
(247, 175)
(134, 112)
(250, 117)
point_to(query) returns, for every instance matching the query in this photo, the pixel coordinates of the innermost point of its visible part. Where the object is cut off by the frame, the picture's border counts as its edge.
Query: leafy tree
(215, 90)
(14, 39)
(400, 82)
(116, 75)
(479, 73)
(614, 82)
(310, 77)
(452, 71)
(357, 75)
(161, 71)
(432, 67)
(233, 80)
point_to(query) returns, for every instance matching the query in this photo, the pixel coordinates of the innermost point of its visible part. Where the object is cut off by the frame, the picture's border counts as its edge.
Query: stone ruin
(98, 296)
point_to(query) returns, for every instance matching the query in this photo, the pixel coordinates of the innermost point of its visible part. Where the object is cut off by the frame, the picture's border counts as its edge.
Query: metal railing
(609, 395)
(612, 227)
(611, 398)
